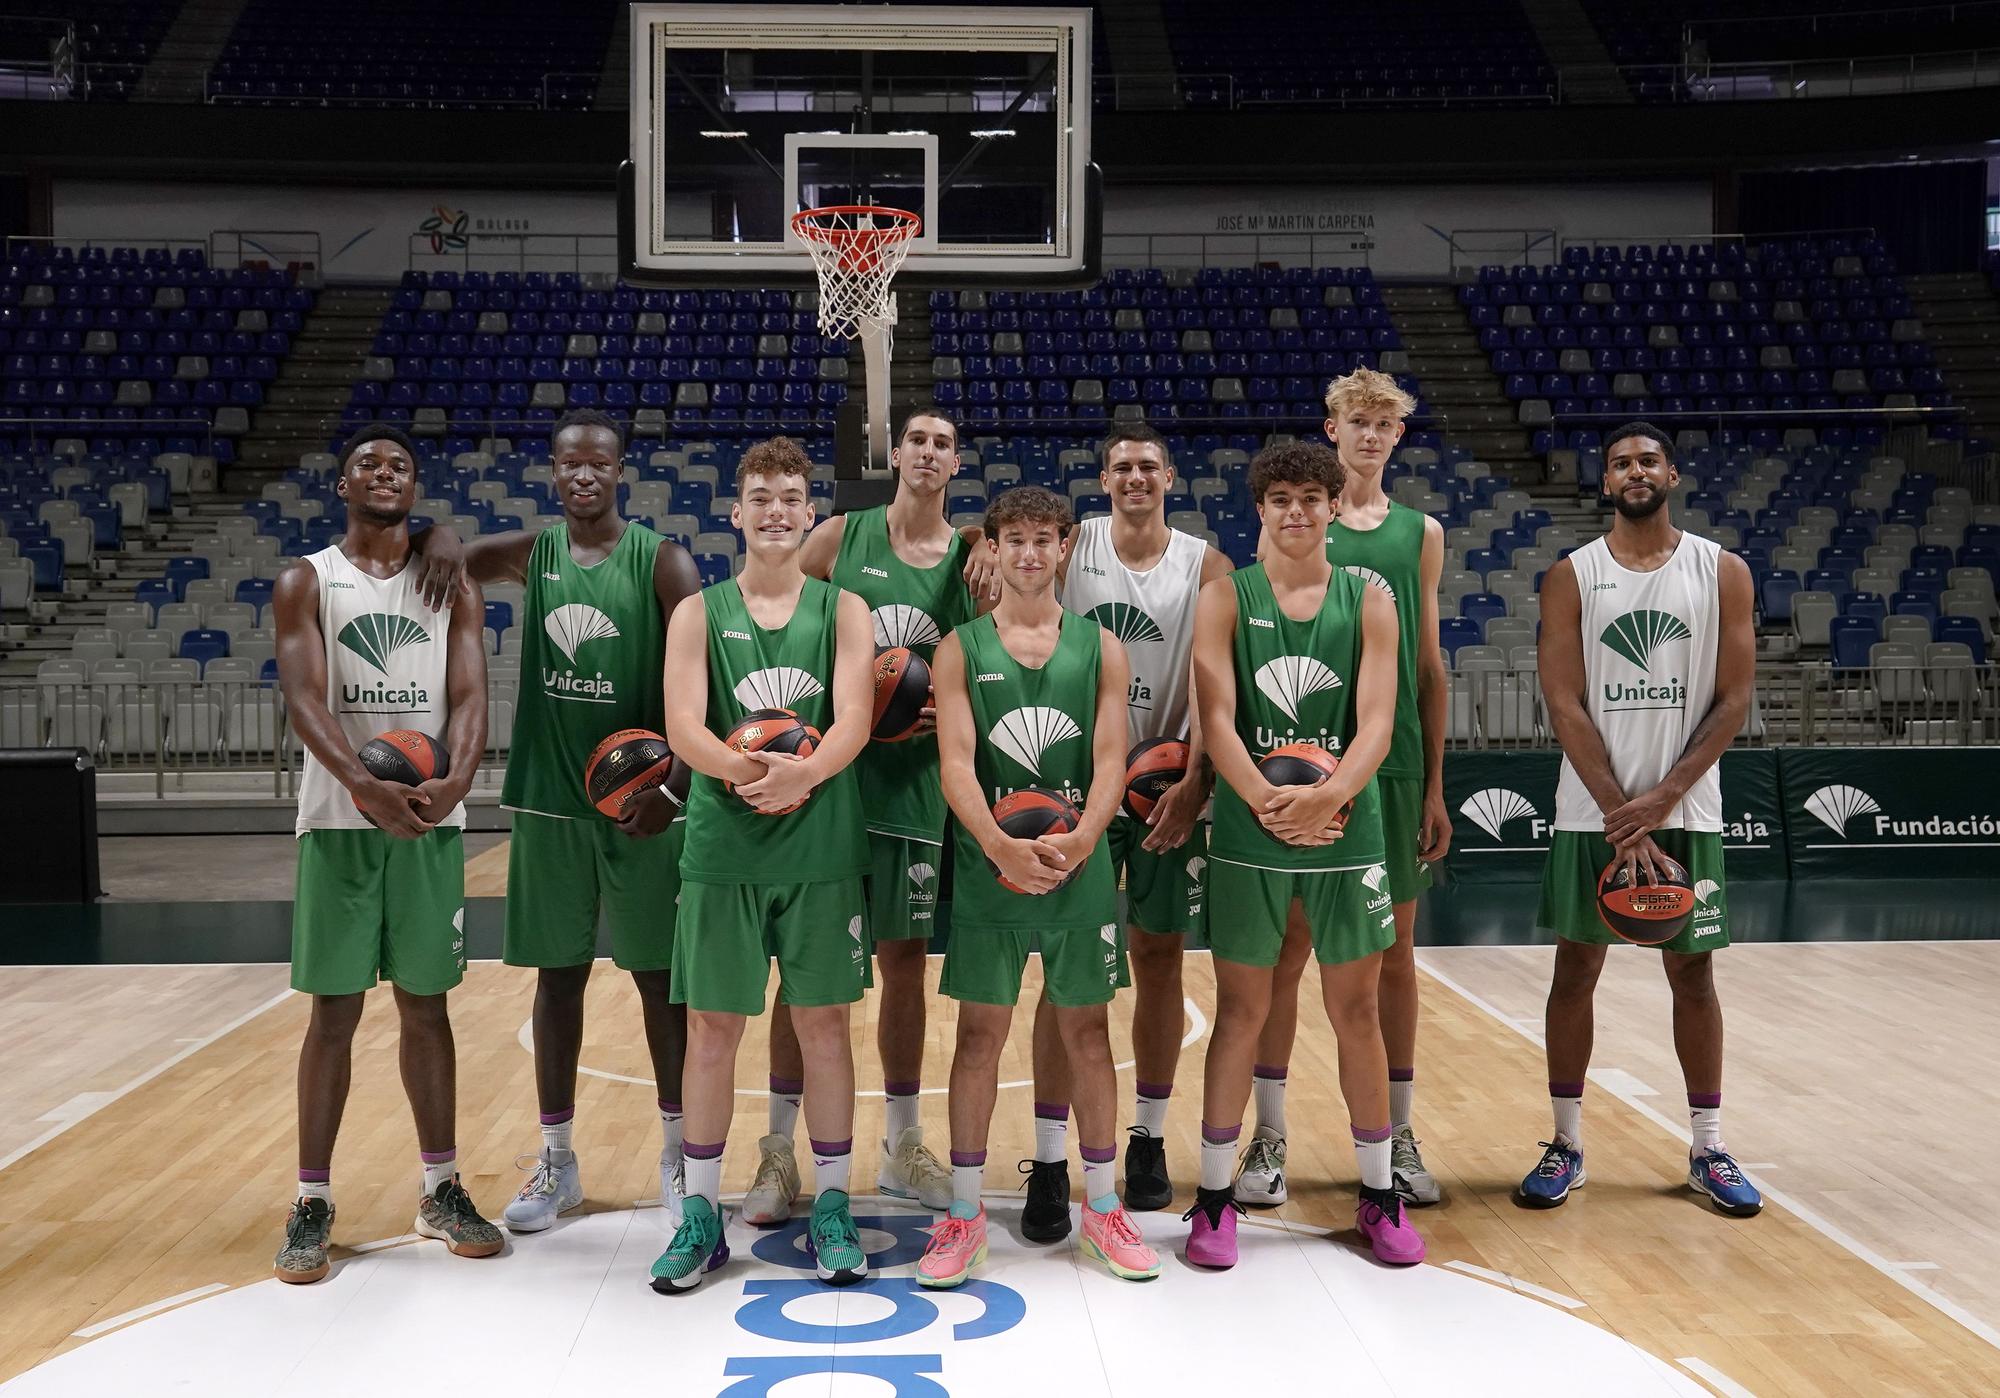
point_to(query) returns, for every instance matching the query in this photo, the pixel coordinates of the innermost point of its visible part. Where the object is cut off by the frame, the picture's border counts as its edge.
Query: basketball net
(857, 249)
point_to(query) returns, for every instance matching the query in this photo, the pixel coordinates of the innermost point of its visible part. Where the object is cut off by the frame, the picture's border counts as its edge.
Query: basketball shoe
(775, 1185)
(1559, 1171)
(1718, 1176)
(448, 1214)
(307, 1228)
(551, 1190)
(910, 1171)
(698, 1248)
(1146, 1182)
(957, 1245)
(1260, 1178)
(1212, 1234)
(1414, 1184)
(1380, 1219)
(1114, 1240)
(1045, 1216)
(833, 1242)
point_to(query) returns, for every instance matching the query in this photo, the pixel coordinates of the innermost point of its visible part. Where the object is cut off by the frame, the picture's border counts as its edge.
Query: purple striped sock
(669, 1108)
(832, 1148)
(1052, 1111)
(902, 1089)
(316, 1176)
(1098, 1155)
(702, 1152)
(1156, 1089)
(1699, 1100)
(1565, 1089)
(1265, 1070)
(1369, 1138)
(966, 1159)
(786, 1087)
(438, 1157)
(1402, 1075)
(558, 1118)
(1221, 1135)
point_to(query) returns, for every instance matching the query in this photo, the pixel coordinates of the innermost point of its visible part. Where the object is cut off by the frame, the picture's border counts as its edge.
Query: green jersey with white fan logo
(1035, 729)
(917, 608)
(1295, 684)
(592, 644)
(1391, 557)
(789, 668)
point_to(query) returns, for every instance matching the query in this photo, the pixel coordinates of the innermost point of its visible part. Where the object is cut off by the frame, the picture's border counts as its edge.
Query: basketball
(1150, 768)
(1030, 813)
(405, 755)
(1644, 913)
(1302, 764)
(622, 766)
(772, 730)
(902, 693)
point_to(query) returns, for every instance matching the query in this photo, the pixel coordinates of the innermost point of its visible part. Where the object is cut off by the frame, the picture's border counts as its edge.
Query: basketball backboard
(975, 118)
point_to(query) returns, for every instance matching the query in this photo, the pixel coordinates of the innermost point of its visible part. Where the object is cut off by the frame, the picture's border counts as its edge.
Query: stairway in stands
(302, 409)
(1961, 316)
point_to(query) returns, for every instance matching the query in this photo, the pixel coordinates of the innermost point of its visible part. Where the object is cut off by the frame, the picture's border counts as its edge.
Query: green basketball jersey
(1295, 684)
(592, 645)
(1035, 729)
(790, 668)
(1391, 557)
(913, 607)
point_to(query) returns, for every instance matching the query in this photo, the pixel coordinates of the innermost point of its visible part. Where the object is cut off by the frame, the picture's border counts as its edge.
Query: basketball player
(1294, 650)
(905, 561)
(381, 868)
(760, 878)
(1031, 696)
(1401, 551)
(1648, 650)
(599, 591)
(1138, 579)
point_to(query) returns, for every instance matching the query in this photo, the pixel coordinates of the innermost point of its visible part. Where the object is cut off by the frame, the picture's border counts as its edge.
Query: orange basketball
(622, 766)
(1645, 913)
(1150, 768)
(1030, 813)
(404, 755)
(1302, 764)
(772, 730)
(902, 693)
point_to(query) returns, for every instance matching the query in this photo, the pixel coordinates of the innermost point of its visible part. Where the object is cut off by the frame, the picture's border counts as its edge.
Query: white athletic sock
(1706, 1121)
(968, 1177)
(556, 1128)
(1568, 1108)
(1051, 1133)
(1152, 1110)
(1269, 1087)
(1218, 1155)
(1373, 1158)
(670, 1131)
(439, 1166)
(785, 1095)
(316, 1189)
(704, 1177)
(1100, 1180)
(902, 1110)
(830, 1164)
(1401, 1095)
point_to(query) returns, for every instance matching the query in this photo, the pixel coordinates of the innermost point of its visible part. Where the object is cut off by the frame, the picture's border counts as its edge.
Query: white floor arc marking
(1825, 1227)
(1197, 1027)
(150, 1308)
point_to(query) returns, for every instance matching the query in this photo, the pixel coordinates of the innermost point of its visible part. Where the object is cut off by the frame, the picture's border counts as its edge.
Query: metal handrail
(1237, 249)
(515, 252)
(1810, 78)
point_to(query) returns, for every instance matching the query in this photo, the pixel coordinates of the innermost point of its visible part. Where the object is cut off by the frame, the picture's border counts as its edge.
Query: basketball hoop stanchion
(857, 249)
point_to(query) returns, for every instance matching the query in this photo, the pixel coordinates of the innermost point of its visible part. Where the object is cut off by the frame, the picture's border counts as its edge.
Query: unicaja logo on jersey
(900, 625)
(1025, 734)
(922, 891)
(569, 627)
(1372, 578)
(1290, 680)
(377, 636)
(1375, 879)
(1492, 808)
(1636, 636)
(1127, 622)
(779, 687)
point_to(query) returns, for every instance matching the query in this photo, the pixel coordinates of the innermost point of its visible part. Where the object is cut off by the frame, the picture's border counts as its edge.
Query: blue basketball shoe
(1549, 1183)
(1715, 1174)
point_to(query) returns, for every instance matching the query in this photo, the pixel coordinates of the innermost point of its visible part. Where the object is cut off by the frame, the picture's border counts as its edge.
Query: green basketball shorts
(902, 887)
(729, 933)
(562, 873)
(1576, 860)
(370, 906)
(1348, 912)
(1403, 836)
(1081, 966)
(1163, 892)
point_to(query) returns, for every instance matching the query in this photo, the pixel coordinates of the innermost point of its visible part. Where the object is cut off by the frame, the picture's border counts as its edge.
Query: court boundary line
(1827, 1229)
(187, 1051)
(137, 1313)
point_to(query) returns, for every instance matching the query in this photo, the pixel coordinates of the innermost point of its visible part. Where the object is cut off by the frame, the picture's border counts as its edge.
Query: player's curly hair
(1296, 463)
(1029, 504)
(776, 456)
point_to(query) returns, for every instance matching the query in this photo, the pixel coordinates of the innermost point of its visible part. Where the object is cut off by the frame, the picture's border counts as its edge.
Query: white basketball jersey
(1649, 647)
(385, 668)
(1152, 613)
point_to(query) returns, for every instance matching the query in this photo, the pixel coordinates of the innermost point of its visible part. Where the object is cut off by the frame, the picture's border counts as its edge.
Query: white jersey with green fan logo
(385, 668)
(1152, 613)
(1649, 647)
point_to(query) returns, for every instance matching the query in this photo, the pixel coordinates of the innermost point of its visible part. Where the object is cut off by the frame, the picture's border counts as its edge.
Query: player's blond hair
(1367, 388)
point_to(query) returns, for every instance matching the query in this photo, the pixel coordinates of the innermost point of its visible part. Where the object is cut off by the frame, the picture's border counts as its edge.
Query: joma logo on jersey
(729, 635)
(990, 678)
(551, 577)
(869, 571)
(1260, 621)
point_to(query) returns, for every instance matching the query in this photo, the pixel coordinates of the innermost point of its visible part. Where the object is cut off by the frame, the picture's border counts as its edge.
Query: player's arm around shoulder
(821, 550)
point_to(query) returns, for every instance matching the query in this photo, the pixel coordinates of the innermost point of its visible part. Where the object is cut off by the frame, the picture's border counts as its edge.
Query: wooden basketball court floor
(146, 1153)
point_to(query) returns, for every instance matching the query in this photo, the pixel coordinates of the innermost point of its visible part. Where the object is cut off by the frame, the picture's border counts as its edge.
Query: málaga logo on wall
(779, 687)
(922, 892)
(1372, 578)
(900, 625)
(1637, 636)
(569, 627)
(1494, 808)
(376, 637)
(1836, 807)
(447, 229)
(1027, 733)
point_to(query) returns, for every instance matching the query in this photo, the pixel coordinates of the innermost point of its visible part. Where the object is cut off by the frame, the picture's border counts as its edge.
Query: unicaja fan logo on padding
(1493, 807)
(1834, 806)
